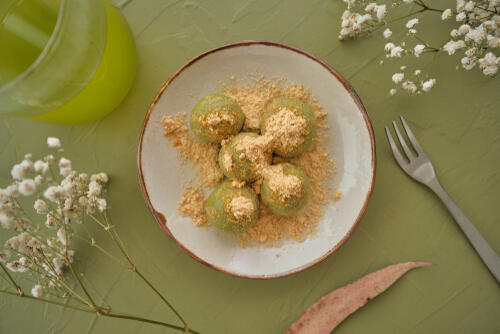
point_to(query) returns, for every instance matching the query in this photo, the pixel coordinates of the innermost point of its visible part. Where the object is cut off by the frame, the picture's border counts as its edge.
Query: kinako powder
(270, 229)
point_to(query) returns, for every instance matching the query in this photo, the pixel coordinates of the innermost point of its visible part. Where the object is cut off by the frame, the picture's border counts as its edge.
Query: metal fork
(420, 168)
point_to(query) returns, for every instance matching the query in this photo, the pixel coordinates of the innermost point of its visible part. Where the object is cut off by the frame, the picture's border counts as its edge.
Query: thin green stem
(110, 314)
(162, 298)
(75, 275)
(97, 292)
(88, 310)
(14, 284)
(114, 235)
(94, 244)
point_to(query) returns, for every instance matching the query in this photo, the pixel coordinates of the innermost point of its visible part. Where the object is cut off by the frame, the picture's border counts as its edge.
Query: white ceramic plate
(351, 145)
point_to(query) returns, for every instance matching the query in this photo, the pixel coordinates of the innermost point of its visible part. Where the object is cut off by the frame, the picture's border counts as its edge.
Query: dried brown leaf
(330, 310)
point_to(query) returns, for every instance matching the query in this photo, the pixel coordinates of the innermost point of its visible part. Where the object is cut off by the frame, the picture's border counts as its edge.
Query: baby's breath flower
(7, 219)
(489, 25)
(12, 190)
(41, 207)
(489, 64)
(454, 33)
(94, 189)
(34, 244)
(61, 236)
(51, 221)
(461, 17)
(469, 6)
(398, 77)
(493, 42)
(26, 165)
(64, 166)
(24, 243)
(387, 33)
(393, 91)
(49, 158)
(452, 46)
(12, 243)
(446, 14)
(418, 72)
(83, 201)
(388, 47)
(476, 35)
(4, 255)
(16, 267)
(396, 51)
(412, 23)
(402, 68)
(54, 193)
(53, 142)
(409, 86)
(100, 177)
(371, 7)
(418, 50)
(101, 204)
(27, 187)
(427, 85)
(41, 166)
(463, 29)
(381, 12)
(17, 172)
(39, 180)
(37, 291)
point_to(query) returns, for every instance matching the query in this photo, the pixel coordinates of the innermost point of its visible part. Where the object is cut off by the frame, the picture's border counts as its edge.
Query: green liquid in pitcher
(25, 29)
(111, 80)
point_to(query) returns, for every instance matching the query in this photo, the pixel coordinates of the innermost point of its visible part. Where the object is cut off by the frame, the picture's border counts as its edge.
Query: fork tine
(407, 150)
(411, 136)
(395, 150)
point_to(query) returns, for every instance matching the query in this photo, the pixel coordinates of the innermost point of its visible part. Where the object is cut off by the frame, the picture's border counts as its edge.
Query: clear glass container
(83, 59)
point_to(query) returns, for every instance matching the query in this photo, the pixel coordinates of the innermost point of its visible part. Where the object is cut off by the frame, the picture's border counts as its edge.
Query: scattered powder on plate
(270, 228)
(252, 99)
(192, 205)
(204, 155)
(241, 207)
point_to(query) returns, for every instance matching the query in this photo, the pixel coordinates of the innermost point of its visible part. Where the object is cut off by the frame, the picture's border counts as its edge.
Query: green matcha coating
(300, 108)
(286, 206)
(216, 105)
(217, 208)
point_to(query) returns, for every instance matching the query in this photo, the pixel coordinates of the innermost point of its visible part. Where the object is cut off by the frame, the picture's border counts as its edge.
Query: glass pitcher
(64, 61)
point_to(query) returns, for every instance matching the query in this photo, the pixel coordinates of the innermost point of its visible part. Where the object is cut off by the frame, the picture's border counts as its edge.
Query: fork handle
(487, 254)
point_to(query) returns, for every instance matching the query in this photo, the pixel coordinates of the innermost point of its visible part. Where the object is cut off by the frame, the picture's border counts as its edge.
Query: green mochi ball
(286, 206)
(299, 108)
(239, 168)
(218, 208)
(216, 117)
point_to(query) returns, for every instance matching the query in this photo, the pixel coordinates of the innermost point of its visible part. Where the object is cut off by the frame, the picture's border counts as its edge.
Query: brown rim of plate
(160, 218)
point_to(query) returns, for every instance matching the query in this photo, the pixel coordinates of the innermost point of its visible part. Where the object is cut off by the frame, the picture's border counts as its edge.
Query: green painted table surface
(458, 123)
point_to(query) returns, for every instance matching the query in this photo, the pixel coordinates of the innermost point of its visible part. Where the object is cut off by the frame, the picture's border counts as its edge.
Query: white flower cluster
(477, 36)
(62, 198)
(354, 23)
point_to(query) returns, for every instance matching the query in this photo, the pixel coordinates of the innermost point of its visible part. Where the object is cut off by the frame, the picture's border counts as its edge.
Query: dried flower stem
(11, 280)
(108, 227)
(104, 314)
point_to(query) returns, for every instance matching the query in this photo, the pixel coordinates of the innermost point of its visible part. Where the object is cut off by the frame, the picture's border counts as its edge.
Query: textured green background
(458, 123)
